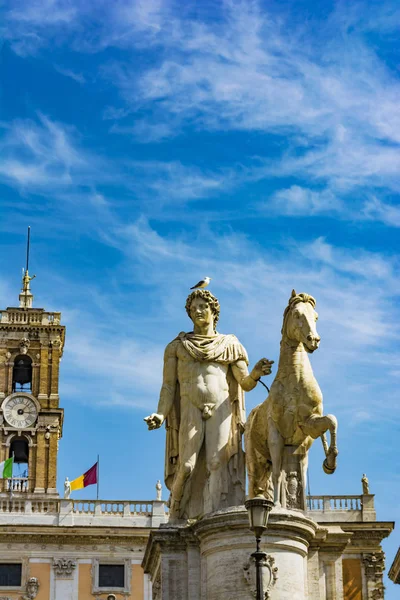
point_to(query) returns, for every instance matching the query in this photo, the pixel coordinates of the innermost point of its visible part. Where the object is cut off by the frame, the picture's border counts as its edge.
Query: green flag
(6, 468)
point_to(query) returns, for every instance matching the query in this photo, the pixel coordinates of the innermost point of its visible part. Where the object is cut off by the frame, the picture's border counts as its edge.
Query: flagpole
(98, 475)
(11, 482)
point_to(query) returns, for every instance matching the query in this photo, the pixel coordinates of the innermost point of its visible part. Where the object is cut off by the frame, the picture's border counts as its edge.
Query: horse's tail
(248, 430)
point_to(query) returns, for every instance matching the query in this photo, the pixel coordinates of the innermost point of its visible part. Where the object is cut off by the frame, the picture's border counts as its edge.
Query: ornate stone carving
(292, 490)
(269, 572)
(24, 345)
(276, 423)
(374, 566)
(64, 567)
(56, 343)
(32, 589)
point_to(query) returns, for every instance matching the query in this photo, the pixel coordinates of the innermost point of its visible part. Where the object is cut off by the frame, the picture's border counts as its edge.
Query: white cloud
(47, 157)
(297, 200)
(78, 77)
(376, 210)
(357, 262)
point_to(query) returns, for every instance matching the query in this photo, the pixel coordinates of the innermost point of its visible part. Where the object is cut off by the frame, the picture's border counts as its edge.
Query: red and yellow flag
(88, 478)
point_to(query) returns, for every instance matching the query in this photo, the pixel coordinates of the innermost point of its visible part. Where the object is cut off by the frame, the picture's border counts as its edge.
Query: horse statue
(291, 416)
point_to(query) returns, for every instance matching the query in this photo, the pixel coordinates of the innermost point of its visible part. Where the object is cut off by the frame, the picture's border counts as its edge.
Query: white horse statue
(292, 413)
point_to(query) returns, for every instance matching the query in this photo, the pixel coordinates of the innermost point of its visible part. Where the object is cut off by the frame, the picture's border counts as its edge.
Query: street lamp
(259, 509)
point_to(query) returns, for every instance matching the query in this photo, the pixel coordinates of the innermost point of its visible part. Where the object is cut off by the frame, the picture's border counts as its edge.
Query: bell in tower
(31, 346)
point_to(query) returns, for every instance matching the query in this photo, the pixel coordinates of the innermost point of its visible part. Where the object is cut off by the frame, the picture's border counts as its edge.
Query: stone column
(35, 377)
(44, 372)
(52, 462)
(40, 475)
(9, 374)
(55, 372)
(3, 382)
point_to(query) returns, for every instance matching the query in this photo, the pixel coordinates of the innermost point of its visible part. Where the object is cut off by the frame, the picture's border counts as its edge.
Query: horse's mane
(293, 300)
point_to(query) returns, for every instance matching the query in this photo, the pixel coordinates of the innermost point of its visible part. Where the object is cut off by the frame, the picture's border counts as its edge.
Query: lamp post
(259, 509)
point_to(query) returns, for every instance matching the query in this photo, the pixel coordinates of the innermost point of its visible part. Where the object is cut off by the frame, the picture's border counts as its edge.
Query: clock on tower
(31, 345)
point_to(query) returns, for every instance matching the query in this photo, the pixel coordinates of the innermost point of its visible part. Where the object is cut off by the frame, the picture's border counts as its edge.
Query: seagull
(202, 283)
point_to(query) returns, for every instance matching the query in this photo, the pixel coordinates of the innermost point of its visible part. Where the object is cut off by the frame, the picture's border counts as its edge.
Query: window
(22, 374)
(19, 449)
(10, 574)
(111, 576)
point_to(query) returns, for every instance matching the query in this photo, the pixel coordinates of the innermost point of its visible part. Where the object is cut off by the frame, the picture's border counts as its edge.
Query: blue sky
(150, 143)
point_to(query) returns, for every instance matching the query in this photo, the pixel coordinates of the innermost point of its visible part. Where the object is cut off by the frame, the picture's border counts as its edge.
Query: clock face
(20, 412)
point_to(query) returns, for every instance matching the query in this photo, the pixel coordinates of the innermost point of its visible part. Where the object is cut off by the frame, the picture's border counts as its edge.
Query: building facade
(62, 549)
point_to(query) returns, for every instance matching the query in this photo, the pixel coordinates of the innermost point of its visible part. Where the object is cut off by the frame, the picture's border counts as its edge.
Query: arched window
(19, 448)
(22, 374)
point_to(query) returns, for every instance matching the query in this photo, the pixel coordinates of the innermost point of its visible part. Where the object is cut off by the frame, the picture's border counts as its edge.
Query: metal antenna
(28, 247)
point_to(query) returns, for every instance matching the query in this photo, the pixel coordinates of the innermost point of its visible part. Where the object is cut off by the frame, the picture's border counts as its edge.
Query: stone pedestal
(210, 559)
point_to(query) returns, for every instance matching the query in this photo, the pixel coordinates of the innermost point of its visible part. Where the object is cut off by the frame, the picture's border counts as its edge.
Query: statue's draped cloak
(224, 349)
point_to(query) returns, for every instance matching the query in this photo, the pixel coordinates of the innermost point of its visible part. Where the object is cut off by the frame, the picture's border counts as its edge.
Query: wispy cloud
(297, 200)
(78, 77)
(376, 210)
(39, 154)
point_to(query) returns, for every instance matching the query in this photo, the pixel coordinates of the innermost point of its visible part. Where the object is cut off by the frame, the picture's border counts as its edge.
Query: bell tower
(31, 346)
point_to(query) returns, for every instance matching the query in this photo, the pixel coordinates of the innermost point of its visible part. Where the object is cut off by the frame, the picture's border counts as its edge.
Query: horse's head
(299, 321)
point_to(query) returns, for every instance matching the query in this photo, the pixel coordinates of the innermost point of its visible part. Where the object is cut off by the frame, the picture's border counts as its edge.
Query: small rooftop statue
(159, 490)
(365, 484)
(67, 488)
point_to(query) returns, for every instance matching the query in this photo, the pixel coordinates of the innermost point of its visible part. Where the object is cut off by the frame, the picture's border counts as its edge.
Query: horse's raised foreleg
(317, 426)
(275, 444)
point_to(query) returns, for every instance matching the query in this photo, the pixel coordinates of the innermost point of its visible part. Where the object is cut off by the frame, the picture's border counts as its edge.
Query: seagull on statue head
(201, 284)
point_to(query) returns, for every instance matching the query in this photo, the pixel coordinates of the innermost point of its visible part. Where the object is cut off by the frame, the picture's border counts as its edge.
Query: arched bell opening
(19, 449)
(22, 374)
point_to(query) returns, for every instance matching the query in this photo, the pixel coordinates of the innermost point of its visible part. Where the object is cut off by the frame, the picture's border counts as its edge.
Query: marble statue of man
(202, 403)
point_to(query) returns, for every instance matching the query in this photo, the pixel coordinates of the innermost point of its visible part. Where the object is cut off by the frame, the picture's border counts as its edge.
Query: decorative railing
(29, 317)
(69, 512)
(17, 484)
(334, 503)
(18, 505)
(121, 508)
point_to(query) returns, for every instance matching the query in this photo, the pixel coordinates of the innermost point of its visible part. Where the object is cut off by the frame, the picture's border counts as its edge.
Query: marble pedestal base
(210, 559)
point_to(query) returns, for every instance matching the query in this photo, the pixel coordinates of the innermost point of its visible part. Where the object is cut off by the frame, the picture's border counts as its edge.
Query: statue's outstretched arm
(249, 381)
(167, 393)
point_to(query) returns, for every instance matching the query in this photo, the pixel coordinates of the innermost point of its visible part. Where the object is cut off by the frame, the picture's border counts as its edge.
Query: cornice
(56, 535)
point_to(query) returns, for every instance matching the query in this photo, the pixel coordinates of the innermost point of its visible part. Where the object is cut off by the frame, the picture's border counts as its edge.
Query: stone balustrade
(152, 513)
(17, 484)
(341, 508)
(30, 316)
(115, 513)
